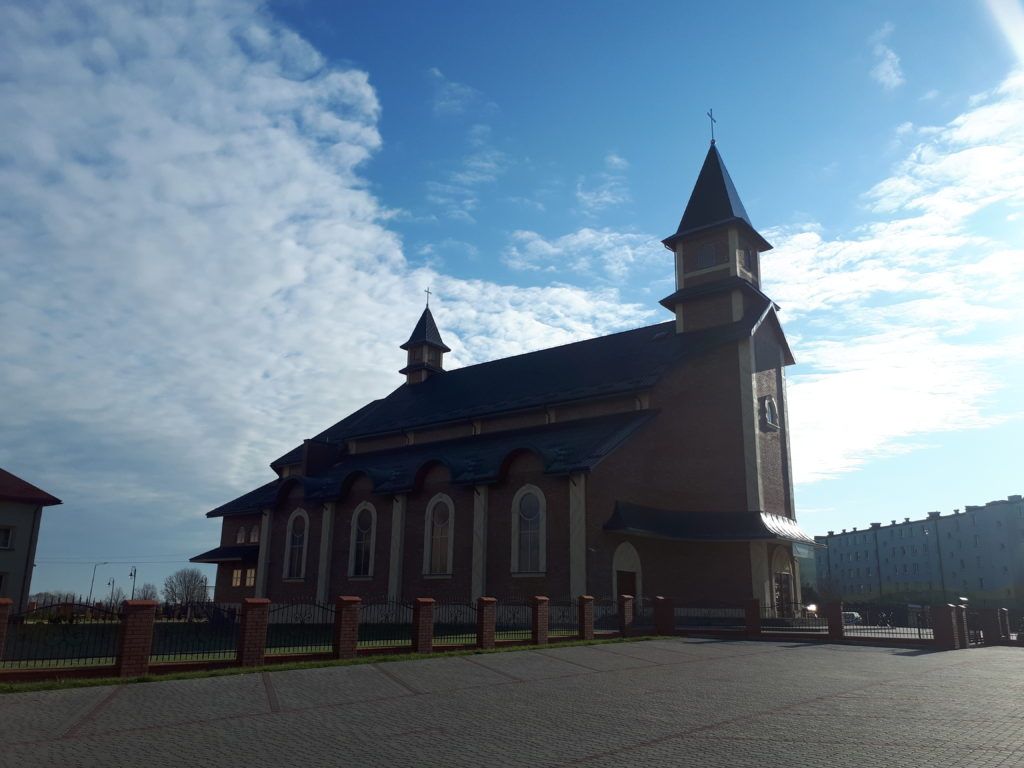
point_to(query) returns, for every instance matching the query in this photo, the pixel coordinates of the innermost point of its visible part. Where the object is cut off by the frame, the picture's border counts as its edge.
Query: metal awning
(240, 553)
(637, 520)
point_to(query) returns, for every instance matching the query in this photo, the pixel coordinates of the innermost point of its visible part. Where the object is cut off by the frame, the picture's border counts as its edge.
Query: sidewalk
(669, 702)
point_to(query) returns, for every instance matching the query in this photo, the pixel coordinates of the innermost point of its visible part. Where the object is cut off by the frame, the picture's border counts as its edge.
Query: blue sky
(218, 220)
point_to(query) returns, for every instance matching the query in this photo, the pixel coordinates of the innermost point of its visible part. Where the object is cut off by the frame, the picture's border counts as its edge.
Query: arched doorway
(627, 577)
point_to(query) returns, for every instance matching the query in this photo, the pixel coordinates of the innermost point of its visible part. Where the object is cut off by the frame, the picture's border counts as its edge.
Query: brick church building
(650, 462)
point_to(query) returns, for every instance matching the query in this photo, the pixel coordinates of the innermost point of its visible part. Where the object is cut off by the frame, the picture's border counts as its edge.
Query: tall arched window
(438, 536)
(361, 546)
(295, 545)
(529, 530)
(240, 536)
(254, 535)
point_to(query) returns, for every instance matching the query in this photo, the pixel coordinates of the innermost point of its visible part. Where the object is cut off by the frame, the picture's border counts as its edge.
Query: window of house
(6, 537)
(295, 543)
(254, 535)
(3, 584)
(240, 536)
(250, 577)
(981, 583)
(769, 413)
(529, 530)
(438, 539)
(364, 523)
(236, 577)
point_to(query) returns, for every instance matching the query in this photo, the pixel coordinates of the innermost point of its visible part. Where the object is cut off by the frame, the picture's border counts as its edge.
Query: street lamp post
(92, 582)
(111, 585)
(131, 575)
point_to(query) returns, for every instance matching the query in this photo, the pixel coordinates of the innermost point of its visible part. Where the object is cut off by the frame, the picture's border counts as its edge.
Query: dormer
(715, 248)
(425, 350)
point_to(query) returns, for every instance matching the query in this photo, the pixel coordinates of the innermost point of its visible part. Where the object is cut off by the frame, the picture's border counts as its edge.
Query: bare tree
(146, 592)
(115, 598)
(187, 585)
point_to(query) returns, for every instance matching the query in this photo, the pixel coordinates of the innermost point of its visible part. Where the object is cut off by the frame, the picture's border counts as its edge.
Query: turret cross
(711, 117)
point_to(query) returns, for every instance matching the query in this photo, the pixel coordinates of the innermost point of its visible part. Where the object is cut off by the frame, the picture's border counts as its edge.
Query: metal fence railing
(300, 627)
(564, 618)
(709, 617)
(61, 635)
(606, 615)
(869, 620)
(792, 617)
(643, 616)
(513, 620)
(196, 632)
(454, 623)
(385, 623)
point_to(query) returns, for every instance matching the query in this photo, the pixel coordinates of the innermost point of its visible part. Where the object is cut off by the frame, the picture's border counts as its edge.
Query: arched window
(361, 542)
(254, 535)
(438, 536)
(240, 536)
(529, 530)
(295, 545)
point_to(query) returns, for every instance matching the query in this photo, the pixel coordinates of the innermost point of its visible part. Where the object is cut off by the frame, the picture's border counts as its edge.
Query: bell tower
(717, 253)
(425, 350)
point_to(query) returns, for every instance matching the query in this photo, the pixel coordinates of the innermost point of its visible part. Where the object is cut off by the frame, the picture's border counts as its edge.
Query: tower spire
(425, 349)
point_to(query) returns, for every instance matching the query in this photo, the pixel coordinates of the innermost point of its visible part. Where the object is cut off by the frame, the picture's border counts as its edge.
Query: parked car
(852, 617)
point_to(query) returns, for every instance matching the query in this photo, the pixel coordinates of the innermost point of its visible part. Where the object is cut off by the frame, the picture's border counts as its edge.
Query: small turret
(425, 349)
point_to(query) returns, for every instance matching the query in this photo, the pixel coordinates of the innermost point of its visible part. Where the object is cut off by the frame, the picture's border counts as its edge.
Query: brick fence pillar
(664, 616)
(944, 627)
(752, 617)
(423, 625)
(5, 617)
(252, 634)
(625, 614)
(963, 638)
(135, 643)
(834, 616)
(540, 614)
(345, 638)
(486, 617)
(585, 618)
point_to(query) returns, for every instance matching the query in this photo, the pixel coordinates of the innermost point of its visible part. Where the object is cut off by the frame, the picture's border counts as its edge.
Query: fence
(894, 621)
(385, 624)
(74, 638)
(60, 635)
(300, 628)
(792, 617)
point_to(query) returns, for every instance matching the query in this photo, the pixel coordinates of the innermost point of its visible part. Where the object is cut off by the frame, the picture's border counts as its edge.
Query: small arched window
(240, 536)
(295, 545)
(438, 536)
(769, 413)
(529, 530)
(254, 535)
(364, 530)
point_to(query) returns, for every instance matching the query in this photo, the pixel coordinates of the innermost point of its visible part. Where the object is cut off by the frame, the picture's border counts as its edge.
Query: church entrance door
(626, 581)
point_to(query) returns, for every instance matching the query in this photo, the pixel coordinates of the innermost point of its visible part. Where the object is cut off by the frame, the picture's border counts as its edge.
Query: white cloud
(452, 98)
(195, 275)
(910, 324)
(1009, 17)
(615, 162)
(458, 194)
(887, 71)
(589, 252)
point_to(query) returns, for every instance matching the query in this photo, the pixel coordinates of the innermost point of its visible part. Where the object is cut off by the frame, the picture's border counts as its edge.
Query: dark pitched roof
(713, 202)
(703, 526)
(426, 332)
(562, 447)
(234, 553)
(13, 488)
(608, 365)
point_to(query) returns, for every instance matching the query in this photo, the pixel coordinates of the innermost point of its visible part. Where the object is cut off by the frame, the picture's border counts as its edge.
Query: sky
(217, 221)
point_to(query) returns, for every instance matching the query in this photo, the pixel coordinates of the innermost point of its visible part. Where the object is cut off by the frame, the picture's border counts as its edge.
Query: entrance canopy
(636, 520)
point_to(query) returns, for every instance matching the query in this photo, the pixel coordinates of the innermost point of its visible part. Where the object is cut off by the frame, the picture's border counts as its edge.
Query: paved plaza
(669, 702)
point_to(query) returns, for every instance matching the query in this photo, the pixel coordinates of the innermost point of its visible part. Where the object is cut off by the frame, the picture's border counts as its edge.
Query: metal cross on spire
(711, 117)
(427, 291)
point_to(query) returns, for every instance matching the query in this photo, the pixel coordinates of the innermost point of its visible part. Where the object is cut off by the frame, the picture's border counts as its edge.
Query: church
(649, 462)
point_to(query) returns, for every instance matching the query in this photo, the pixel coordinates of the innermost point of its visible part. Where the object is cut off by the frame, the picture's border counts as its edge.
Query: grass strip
(90, 682)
